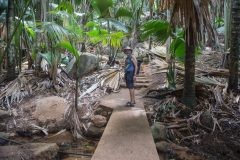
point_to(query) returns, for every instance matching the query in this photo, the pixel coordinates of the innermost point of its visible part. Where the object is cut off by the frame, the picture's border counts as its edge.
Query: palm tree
(10, 56)
(193, 16)
(227, 20)
(235, 45)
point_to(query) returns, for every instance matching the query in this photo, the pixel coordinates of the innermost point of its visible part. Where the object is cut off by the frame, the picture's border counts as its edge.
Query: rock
(99, 121)
(4, 135)
(98, 111)
(2, 127)
(3, 115)
(88, 63)
(163, 146)
(65, 137)
(49, 111)
(159, 131)
(29, 151)
(93, 131)
(206, 119)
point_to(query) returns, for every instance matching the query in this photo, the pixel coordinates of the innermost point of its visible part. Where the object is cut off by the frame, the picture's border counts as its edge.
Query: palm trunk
(170, 57)
(151, 17)
(189, 98)
(227, 20)
(11, 65)
(76, 85)
(235, 46)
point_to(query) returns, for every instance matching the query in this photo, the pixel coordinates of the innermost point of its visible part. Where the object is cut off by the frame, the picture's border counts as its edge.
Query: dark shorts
(129, 79)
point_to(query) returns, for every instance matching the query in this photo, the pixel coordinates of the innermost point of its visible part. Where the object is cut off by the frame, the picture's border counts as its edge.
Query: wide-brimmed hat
(127, 48)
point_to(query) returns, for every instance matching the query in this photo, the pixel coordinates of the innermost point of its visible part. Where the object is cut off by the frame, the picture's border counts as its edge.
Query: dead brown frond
(191, 12)
(15, 91)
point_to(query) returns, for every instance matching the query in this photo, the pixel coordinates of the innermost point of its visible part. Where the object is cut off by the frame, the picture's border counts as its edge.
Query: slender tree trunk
(235, 46)
(170, 57)
(189, 98)
(76, 85)
(227, 20)
(44, 9)
(168, 43)
(11, 65)
(39, 10)
(151, 17)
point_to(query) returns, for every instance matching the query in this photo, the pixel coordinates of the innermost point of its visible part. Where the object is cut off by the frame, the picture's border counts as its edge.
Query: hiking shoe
(130, 104)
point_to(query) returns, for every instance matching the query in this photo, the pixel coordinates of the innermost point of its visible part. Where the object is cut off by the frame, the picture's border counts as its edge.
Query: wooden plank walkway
(127, 135)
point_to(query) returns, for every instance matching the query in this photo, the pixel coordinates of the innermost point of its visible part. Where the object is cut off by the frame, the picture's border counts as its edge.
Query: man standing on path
(130, 74)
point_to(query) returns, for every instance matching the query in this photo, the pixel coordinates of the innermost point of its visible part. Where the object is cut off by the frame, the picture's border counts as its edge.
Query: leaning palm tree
(193, 16)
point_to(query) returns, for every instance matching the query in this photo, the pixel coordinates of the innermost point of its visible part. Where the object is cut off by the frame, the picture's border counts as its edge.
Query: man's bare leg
(132, 96)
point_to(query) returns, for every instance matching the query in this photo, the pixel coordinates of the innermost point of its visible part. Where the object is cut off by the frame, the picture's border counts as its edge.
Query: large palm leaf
(55, 32)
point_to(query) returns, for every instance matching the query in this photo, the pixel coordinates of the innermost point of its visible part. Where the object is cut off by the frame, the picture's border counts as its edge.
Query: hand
(134, 78)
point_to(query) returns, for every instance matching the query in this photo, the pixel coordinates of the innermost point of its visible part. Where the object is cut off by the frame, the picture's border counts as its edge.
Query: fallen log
(214, 72)
(165, 92)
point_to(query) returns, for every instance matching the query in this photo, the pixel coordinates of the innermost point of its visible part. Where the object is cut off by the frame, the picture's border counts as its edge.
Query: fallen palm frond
(107, 79)
(24, 85)
(216, 112)
(15, 91)
(112, 80)
(45, 131)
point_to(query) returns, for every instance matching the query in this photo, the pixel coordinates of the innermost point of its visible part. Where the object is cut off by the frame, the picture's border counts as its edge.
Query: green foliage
(54, 32)
(67, 45)
(65, 6)
(3, 4)
(178, 44)
(97, 35)
(102, 7)
(49, 57)
(78, 2)
(52, 58)
(219, 22)
(159, 29)
(116, 39)
(123, 12)
(30, 31)
(103, 37)
(69, 23)
(91, 25)
(118, 25)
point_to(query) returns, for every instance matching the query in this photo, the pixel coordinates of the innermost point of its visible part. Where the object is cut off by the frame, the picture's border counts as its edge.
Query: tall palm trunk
(11, 65)
(151, 17)
(189, 78)
(227, 20)
(235, 46)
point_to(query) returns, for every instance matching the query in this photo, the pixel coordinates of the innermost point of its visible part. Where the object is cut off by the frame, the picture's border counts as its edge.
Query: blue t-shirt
(129, 66)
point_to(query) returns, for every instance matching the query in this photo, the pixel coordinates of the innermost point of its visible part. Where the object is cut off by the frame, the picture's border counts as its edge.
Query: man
(130, 74)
